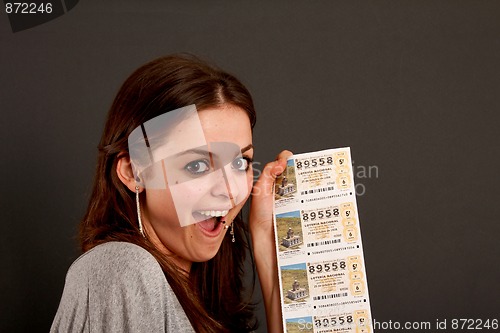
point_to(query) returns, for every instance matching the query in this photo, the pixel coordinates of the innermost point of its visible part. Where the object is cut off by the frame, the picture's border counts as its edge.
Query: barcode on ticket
(324, 189)
(333, 241)
(320, 297)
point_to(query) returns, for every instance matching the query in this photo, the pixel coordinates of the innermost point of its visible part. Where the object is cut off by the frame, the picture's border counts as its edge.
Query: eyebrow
(244, 149)
(208, 153)
(195, 151)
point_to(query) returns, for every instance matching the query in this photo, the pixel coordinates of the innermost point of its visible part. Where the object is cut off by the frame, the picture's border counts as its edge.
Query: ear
(125, 173)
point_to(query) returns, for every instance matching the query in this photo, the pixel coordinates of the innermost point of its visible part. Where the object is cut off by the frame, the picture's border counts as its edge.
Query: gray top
(118, 287)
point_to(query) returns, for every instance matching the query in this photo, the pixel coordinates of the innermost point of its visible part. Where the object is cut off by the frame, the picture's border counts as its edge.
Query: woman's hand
(261, 228)
(261, 209)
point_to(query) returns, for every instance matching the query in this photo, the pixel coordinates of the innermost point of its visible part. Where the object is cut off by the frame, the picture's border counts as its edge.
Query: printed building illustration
(285, 187)
(296, 292)
(291, 239)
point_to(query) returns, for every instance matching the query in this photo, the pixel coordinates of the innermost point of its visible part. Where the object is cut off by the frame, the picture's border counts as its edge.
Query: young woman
(163, 239)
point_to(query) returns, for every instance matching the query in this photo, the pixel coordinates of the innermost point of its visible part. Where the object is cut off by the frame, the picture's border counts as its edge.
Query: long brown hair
(211, 296)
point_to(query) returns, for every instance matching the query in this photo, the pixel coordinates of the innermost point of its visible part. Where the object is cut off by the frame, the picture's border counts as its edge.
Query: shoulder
(115, 254)
(113, 282)
(116, 267)
(116, 263)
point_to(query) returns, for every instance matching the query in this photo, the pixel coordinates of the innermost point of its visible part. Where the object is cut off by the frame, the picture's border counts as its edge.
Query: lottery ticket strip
(318, 243)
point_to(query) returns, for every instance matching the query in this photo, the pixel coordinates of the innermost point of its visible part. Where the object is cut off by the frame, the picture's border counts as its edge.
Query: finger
(281, 160)
(284, 154)
(273, 170)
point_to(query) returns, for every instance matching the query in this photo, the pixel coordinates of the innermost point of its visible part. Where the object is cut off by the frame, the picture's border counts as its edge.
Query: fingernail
(278, 170)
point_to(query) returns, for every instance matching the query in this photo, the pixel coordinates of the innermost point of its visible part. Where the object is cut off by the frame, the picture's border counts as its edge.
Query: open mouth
(211, 221)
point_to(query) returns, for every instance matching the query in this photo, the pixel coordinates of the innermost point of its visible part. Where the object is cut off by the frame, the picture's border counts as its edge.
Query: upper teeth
(214, 213)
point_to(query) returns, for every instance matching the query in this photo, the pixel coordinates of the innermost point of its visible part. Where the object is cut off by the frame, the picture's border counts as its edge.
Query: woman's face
(205, 191)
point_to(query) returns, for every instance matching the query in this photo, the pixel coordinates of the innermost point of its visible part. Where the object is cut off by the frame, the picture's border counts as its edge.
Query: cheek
(249, 181)
(241, 183)
(188, 193)
(245, 184)
(159, 205)
(155, 198)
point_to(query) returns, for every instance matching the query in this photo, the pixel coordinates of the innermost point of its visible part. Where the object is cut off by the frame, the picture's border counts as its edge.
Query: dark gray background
(413, 87)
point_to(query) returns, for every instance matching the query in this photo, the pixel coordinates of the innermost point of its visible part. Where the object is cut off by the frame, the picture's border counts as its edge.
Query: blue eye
(241, 163)
(197, 167)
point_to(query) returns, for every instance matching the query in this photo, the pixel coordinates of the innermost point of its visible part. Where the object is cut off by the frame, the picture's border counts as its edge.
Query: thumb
(271, 171)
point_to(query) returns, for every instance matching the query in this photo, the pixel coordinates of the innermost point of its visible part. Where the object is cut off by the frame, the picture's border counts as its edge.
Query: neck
(182, 264)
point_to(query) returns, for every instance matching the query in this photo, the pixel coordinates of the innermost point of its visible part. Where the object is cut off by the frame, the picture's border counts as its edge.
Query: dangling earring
(232, 232)
(138, 210)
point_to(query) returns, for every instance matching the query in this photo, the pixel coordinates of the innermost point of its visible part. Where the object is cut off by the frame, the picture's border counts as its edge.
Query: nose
(229, 185)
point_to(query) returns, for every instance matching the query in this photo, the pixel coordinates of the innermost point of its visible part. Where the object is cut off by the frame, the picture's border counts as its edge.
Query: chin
(205, 257)
(207, 252)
